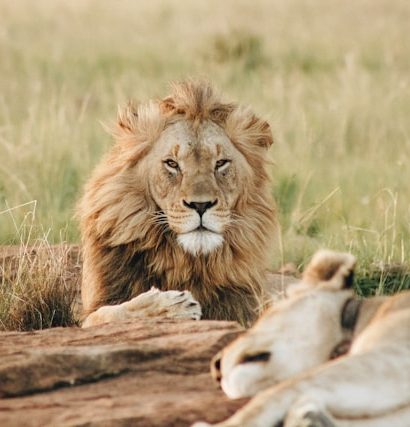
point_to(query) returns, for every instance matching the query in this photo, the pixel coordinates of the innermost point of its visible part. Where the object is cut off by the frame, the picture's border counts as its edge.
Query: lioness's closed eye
(181, 202)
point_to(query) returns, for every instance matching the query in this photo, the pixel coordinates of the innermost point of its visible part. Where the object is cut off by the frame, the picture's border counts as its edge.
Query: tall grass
(36, 290)
(331, 77)
(38, 282)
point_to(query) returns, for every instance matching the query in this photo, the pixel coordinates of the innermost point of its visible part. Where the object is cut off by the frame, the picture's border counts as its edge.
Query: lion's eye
(171, 164)
(222, 164)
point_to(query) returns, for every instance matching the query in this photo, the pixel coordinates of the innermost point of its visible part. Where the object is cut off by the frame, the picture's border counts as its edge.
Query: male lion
(295, 347)
(179, 210)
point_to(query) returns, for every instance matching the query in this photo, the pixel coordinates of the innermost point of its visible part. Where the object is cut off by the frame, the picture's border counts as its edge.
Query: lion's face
(196, 176)
(295, 335)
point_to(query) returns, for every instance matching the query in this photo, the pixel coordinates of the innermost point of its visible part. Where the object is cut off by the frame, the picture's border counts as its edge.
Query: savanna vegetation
(332, 78)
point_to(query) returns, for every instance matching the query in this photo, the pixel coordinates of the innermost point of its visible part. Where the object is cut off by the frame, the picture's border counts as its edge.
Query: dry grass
(332, 78)
(39, 282)
(36, 290)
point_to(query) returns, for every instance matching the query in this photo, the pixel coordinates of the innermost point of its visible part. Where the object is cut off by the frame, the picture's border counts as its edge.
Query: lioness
(179, 211)
(295, 347)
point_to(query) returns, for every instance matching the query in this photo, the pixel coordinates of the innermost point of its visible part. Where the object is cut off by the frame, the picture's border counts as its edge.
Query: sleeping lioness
(322, 357)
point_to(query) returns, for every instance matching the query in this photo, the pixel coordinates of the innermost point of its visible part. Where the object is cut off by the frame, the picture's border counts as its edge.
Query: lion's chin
(200, 242)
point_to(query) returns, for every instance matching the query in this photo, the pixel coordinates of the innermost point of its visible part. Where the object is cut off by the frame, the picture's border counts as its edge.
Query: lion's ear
(138, 125)
(220, 112)
(126, 125)
(168, 107)
(263, 134)
(127, 117)
(335, 269)
(247, 130)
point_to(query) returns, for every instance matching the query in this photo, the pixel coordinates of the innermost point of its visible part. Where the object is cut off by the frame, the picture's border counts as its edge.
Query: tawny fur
(126, 253)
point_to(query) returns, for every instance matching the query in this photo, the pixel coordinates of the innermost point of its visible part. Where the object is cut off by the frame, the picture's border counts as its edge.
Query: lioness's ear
(333, 268)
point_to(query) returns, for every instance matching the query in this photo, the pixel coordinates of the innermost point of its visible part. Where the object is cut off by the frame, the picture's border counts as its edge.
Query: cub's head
(191, 164)
(298, 333)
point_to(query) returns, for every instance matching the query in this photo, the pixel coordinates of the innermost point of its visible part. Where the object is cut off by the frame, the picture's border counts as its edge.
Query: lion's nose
(200, 207)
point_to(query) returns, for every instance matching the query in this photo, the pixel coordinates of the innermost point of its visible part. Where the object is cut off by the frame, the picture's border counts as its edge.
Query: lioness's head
(201, 162)
(296, 334)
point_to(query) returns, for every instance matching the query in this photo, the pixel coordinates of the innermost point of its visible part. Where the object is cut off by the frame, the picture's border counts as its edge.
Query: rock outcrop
(142, 373)
(145, 373)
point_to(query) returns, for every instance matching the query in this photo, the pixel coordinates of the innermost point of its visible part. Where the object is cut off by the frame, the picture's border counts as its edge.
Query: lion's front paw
(105, 314)
(170, 304)
(154, 303)
(308, 413)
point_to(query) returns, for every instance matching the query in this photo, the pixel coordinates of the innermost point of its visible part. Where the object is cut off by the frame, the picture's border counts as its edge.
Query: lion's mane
(125, 252)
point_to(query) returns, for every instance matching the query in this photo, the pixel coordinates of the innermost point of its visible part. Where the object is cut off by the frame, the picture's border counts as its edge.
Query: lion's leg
(365, 385)
(154, 303)
(91, 287)
(399, 418)
(309, 413)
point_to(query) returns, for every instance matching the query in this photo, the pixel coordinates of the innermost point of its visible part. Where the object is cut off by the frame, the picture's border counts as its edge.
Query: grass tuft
(37, 290)
(39, 282)
(382, 280)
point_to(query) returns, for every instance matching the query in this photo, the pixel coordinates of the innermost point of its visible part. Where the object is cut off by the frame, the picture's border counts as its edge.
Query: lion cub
(322, 357)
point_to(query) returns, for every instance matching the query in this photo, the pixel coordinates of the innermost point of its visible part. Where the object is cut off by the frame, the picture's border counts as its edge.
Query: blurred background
(332, 78)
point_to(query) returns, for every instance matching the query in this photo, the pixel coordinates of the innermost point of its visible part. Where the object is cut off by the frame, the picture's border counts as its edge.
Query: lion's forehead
(186, 141)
